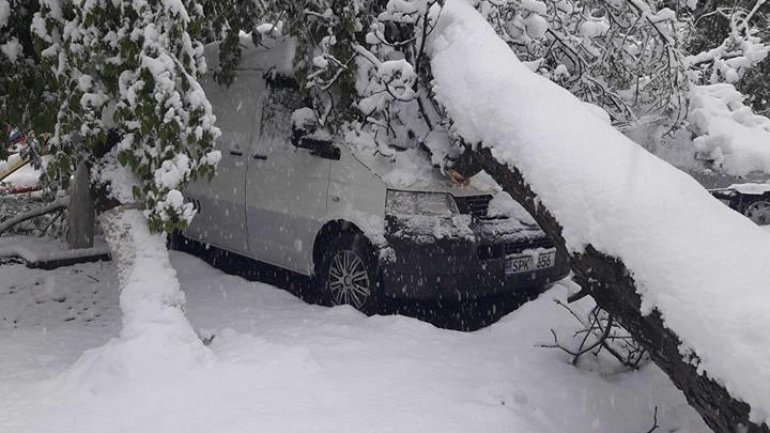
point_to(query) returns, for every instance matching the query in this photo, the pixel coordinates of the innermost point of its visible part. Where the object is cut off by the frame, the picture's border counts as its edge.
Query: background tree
(26, 101)
(733, 36)
(624, 56)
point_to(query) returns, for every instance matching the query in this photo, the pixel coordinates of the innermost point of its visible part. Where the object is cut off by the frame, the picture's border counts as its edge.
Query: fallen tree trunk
(607, 280)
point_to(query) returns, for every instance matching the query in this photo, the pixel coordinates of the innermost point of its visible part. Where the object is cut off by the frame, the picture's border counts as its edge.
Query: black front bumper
(458, 258)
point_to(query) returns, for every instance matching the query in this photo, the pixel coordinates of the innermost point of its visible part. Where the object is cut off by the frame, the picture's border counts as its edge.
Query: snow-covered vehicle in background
(364, 224)
(750, 199)
(18, 174)
(748, 194)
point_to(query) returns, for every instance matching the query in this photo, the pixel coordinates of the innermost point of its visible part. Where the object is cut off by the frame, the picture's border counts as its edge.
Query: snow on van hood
(409, 169)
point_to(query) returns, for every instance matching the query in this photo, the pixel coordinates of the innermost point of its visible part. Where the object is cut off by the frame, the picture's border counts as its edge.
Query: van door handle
(236, 153)
(258, 156)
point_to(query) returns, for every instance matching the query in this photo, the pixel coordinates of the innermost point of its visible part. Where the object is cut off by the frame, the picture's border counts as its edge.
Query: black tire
(348, 273)
(758, 210)
(175, 241)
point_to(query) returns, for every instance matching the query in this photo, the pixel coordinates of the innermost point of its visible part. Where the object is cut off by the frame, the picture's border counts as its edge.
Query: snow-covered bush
(727, 42)
(728, 133)
(730, 46)
(622, 55)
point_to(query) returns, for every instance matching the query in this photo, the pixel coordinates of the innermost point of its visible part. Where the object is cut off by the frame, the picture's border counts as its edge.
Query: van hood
(412, 170)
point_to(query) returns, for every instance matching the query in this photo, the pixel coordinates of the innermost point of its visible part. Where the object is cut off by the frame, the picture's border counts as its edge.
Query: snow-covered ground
(280, 365)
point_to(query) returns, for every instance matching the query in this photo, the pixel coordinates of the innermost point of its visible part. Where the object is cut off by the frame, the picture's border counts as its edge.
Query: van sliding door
(221, 220)
(286, 187)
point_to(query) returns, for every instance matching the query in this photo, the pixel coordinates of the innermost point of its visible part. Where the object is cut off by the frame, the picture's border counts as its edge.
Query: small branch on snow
(654, 421)
(605, 332)
(54, 206)
(51, 223)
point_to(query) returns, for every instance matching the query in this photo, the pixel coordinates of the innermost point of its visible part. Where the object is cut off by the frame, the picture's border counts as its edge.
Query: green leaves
(26, 100)
(128, 71)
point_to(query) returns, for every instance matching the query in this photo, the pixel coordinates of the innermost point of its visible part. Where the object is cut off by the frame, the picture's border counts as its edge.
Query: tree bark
(80, 222)
(608, 281)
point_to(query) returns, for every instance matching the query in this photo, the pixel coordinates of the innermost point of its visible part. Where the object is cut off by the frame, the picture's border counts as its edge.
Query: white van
(364, 225)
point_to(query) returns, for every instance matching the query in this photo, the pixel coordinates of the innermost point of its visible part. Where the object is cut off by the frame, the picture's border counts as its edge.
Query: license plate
(530, 262)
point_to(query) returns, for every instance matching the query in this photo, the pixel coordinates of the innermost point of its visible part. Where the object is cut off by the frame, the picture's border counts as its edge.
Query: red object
(17, 189)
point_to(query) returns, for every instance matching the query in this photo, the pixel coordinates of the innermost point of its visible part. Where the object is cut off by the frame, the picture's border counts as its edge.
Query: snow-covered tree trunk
(608, 281)
(151, 299)
(651, 246)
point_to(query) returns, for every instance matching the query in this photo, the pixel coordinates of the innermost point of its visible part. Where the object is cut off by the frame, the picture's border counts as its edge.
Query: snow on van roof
(702, 265)
(272, 53)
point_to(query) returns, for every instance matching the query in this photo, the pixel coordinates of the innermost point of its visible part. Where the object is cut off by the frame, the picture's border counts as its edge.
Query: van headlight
(420, 203)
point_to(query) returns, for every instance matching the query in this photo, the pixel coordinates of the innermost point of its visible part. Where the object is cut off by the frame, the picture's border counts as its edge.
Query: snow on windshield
(703, 266)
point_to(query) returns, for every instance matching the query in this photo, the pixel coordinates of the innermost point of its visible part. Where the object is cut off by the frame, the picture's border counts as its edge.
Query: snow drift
(703, 266)
(279, 365)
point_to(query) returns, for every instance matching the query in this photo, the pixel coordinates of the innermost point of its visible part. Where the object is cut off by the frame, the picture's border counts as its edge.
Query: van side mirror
(304, 128)
(319, 147)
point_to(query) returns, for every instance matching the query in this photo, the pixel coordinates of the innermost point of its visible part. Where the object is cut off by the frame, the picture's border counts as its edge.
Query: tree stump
(80, 230)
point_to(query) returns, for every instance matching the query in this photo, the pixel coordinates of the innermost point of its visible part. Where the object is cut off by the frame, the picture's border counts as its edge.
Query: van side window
(236, 107)
(279, 104)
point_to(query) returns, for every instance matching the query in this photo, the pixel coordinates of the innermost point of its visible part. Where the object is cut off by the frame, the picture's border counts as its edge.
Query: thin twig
(654, 421)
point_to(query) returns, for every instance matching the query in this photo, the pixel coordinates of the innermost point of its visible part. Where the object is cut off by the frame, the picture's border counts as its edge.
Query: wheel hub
(348, 279)
(759, 212)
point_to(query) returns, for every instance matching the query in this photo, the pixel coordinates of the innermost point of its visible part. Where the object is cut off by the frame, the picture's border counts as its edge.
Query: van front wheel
(349, 273)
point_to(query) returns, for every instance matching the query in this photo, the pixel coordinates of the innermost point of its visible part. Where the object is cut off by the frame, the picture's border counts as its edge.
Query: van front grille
(477, 206)
(517, 247)
(496, 251)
